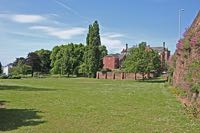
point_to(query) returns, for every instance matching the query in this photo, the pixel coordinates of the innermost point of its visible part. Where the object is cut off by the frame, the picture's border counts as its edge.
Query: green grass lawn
(90, 106)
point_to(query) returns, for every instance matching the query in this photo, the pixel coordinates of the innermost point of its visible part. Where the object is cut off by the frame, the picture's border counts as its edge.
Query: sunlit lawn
(90, 106)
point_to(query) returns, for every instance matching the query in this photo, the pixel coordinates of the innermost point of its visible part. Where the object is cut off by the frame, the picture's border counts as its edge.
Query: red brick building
(114, 61)
(111, 61)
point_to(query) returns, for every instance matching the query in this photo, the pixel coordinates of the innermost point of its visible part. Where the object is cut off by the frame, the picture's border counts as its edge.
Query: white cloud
(113, 41)
(25, 34)
(60, 33)
(20, 18)
(23, 18)
(113, 35)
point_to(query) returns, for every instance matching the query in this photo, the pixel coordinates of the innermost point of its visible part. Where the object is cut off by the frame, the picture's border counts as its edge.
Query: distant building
(6, 69)
(111, 61)
(114, 61)
(163, 52)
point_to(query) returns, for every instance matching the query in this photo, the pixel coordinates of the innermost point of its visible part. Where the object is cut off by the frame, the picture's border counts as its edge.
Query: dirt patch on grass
(184, 100)
(2, 105)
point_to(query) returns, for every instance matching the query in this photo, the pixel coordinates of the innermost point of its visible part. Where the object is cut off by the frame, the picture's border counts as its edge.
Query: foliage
(94, 51)
(195, 88)
(106, 70)
(142, 60)
(15, 77)
(10, 77)
(193, 76)
(190, 40)
(20, 59)
(195, 39)
(177, 91)
(3, 76)
(44, 56)
(34, 61)
(103, 52)
(67, 59)
(171, 67)
(20, 68)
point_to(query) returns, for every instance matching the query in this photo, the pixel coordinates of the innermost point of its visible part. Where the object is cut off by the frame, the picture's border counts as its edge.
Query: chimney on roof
(164, 45)
(126, 47)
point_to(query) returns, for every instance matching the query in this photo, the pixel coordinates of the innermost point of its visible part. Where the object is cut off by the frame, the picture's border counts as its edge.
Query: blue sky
(28, 25)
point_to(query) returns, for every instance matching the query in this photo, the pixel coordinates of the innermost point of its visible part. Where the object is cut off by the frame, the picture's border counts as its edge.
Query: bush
(186, 44)
(10, 77)
(177, 91)
(105, 70)
(195, 88)
(15, 77)
(3, 77)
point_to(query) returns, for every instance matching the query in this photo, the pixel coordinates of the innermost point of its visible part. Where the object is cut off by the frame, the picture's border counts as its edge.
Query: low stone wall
(121, 75)
(109, 75)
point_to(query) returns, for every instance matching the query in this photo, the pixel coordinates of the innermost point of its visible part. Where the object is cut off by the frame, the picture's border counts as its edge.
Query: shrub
(195, 88)
(189, 40)
(105, 70)
(186, 44)
(10, 77)
(16, 77)
(3, 77)
(177, 91)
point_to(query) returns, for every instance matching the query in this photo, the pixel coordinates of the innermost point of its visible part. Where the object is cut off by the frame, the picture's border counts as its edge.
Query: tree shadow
(153, 81)
(23, 88)
(11, 119)
(2, 102)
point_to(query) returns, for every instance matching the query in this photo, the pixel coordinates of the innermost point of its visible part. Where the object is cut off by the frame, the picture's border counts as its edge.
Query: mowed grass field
(90, 106)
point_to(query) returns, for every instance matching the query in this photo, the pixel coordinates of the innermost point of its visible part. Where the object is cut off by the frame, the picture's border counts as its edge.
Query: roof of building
(125, 51)
(113, 55)
(158, 49)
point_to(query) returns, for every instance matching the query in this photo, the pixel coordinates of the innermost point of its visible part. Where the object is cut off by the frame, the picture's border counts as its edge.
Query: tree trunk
(143, 76)
(135, 76)
(32, 73)
(94, 75)
(148, 75)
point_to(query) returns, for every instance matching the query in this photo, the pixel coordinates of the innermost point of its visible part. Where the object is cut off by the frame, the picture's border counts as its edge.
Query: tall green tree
(34, 61)
(45, 60)
(55, 63)
(20, 68)
(79, 50)
(20, 59)
(67, 59)
(142, 60)
(131, 63)
(1, 68)
(93, 53)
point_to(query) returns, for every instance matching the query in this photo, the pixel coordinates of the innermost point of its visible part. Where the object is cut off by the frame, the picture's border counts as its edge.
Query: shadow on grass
(153, 81)
(23, 88)
(11, 119)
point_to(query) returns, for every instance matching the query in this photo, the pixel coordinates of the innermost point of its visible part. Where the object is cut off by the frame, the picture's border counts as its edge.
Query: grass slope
(90, 106)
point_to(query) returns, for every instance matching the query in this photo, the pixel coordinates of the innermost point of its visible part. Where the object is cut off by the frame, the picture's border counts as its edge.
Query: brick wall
(120, 75)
